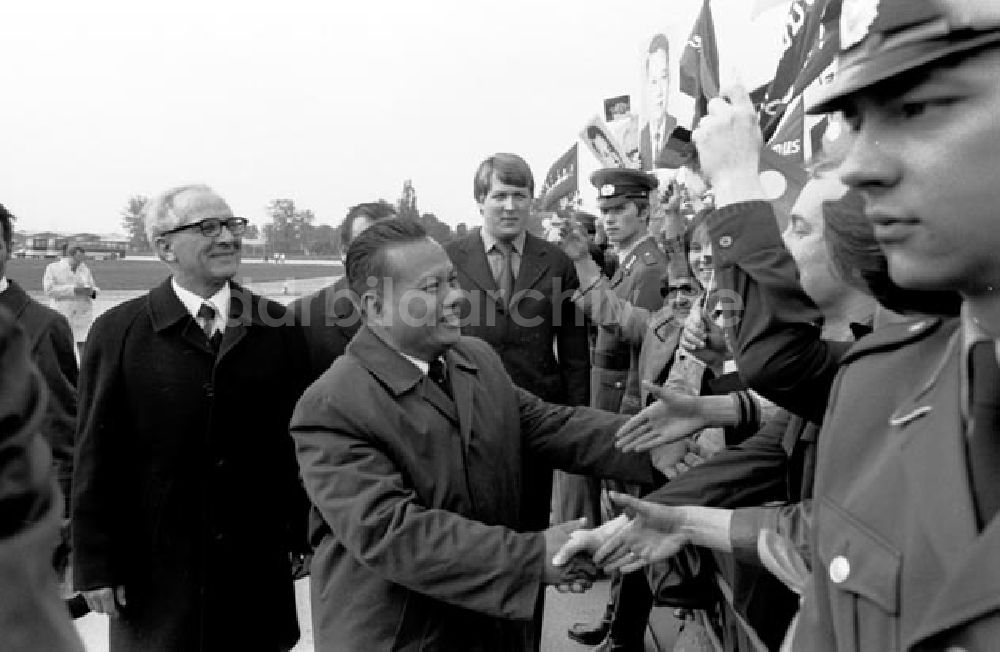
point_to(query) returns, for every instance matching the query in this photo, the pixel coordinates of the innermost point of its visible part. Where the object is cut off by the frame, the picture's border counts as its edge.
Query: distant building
(48, 244)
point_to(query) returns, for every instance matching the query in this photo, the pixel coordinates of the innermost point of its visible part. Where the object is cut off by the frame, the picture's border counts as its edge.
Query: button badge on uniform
(726, 241)
(916, 326)
(840, 569)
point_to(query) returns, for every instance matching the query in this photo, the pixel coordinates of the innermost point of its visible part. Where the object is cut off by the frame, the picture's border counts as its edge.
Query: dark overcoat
(32, 617)
(329, 320)
(419, 524)
(50, 341)
(898, 562)
(541, 337)
(185, 487)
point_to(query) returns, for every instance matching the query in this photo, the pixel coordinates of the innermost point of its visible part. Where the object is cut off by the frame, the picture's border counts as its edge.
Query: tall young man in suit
(519, 291)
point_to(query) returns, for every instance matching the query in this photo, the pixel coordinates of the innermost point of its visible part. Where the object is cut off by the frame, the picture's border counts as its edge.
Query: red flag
(560, 181)
(699, 66)
(811, 41)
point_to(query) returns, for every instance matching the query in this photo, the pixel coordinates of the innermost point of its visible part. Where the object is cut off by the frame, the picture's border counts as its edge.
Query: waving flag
(699, 66)
(561, 181)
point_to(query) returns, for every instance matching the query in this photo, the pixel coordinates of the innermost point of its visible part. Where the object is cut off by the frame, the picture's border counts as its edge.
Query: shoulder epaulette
(894, 336)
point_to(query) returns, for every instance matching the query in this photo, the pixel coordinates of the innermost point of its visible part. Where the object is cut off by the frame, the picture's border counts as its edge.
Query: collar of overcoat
(14, 298)
(399, 376)
(166, 310)
(535, 261)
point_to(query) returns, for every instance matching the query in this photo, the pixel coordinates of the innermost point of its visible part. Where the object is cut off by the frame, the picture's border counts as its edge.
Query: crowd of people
(791, 437)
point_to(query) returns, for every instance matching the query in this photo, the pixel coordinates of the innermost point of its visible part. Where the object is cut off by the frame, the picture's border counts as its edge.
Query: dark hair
(509, 168)
(366, 257)
(372, 211)
(70, 248)
(658, 42)
(6, 225)
(860, 262)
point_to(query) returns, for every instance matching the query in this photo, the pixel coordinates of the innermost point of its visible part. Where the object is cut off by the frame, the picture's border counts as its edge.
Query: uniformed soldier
(623, 197)
(906, 545)
(624, 202)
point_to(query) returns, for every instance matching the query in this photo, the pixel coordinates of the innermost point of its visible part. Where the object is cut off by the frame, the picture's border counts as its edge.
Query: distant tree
(325, 240)
(134, 223)
(290, 229)
(407, 205)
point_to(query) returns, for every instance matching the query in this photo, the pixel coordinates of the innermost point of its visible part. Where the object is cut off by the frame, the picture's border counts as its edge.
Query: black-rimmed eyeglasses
(212, 226)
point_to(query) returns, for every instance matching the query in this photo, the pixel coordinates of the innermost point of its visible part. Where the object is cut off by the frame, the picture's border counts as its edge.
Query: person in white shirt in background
(71, 290)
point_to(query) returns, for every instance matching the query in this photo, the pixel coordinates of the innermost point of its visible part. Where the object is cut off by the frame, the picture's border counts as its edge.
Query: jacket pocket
(862, 575)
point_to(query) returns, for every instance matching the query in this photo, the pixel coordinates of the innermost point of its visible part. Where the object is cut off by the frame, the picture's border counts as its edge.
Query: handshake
(645, 534)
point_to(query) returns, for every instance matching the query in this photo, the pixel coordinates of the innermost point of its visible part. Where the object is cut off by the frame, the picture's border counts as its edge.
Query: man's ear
(163, 250)
(370, 305)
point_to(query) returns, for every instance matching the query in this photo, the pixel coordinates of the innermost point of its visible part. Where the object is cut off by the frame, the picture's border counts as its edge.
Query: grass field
(144, 274)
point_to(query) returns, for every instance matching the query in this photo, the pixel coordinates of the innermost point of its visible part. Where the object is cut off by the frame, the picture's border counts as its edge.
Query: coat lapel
(473, 262)
(463, 378)
(166, 311)
(932, 445)
(241, 312)
(534, 264)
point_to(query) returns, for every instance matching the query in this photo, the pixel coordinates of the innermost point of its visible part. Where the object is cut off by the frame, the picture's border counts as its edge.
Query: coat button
(619, 384)
(726, 241)
(840, 569)
(209, 390)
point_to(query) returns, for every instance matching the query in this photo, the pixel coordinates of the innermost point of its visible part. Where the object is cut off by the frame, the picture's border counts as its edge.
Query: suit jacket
(419, 524)
(185, 486)
(898, 562)
(776, 341)
(32, 617)
(329, 320)
(50, 342)
(672, 152)
(541, 339)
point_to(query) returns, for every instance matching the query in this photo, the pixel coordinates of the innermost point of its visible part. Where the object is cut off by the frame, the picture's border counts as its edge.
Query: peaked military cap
(615, 186)
(882, 39)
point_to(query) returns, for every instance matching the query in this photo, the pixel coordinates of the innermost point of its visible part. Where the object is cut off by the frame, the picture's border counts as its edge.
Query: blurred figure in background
(71, 290)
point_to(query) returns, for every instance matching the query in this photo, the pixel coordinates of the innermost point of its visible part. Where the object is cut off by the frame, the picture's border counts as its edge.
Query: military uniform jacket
(419, 520)
(898, 563)
(615, 380)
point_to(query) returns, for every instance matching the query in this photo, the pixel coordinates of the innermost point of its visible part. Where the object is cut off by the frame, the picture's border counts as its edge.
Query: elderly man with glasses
(186, 500)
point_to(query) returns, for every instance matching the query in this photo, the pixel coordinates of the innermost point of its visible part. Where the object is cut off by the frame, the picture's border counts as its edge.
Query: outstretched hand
(674, 416)
(654, 533)
(577, 572)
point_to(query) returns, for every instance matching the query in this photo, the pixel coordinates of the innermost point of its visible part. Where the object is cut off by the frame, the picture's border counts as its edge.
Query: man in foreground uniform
(906, 544)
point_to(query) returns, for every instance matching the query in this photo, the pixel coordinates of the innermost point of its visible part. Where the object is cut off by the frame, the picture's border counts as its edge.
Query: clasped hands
(646, 533)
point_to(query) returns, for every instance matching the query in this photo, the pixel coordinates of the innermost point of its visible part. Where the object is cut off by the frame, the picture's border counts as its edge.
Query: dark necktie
(984, 439)
(506, 280)
(207, 313)
(437, 375)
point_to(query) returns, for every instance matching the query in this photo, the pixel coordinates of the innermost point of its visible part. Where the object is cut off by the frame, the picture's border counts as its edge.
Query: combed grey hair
(160, 214)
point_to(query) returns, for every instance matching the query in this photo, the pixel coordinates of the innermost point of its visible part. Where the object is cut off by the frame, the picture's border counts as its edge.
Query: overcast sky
(327, 103)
